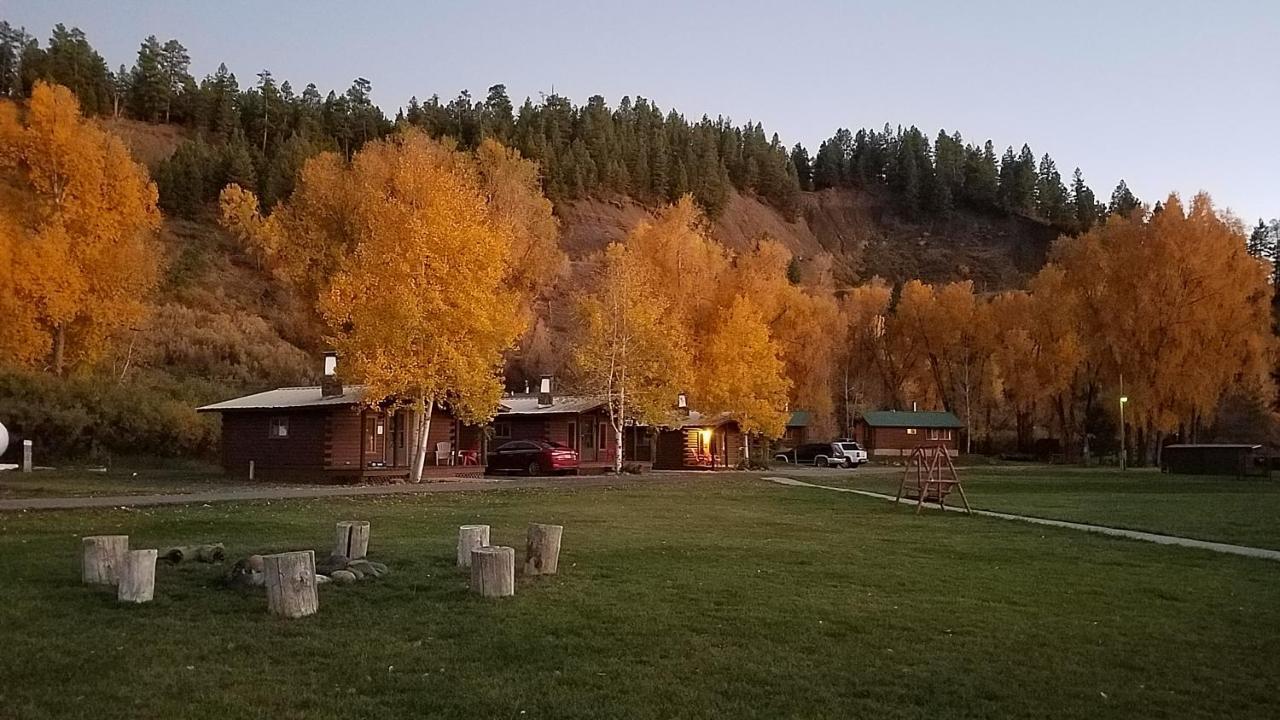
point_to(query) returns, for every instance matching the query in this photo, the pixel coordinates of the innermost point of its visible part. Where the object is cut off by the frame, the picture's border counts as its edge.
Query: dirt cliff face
(859, 230)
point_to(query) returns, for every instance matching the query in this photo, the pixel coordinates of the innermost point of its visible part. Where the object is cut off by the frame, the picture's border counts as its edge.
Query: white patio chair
(444, 451)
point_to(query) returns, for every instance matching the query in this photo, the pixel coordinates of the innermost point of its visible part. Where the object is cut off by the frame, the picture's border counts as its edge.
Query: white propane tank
(4, 439)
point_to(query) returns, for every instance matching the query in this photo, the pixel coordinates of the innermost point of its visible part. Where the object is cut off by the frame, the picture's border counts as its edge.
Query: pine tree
(1051, 194)
(174, 62)
(1123, 202)
(1083, 205)
(803, 167)
(148, 85)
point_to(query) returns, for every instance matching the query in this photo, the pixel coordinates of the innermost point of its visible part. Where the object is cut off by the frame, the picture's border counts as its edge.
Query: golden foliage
(741, 373)
(626, 349)
(77, 219)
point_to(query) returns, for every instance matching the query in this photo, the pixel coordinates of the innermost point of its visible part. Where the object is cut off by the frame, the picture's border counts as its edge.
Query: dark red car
(535, 457)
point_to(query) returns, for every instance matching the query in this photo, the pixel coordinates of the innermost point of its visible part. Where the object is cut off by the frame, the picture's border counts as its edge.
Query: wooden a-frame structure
(935, 475)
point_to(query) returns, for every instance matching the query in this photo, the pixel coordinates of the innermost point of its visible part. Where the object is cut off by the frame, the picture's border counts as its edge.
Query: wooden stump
(291, 583)
(470, 537)
(352, 539)
(542, 556)
(103, 558)
(137, 576)
(493, 571)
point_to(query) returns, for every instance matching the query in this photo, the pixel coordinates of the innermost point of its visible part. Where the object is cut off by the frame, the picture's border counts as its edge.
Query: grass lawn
(170, 477)
(1246, 512)
(717, 597)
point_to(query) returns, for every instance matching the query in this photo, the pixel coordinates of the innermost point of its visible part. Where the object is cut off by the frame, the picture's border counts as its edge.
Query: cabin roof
(800, 418)
(696, 419)
(1236, 446)
(528, 404)
(288, 398)
(911, 419)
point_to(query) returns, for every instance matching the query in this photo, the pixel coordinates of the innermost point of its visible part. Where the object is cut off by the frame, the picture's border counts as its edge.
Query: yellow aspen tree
(870, 357)
(79, 217)
(741, 372)
(677, 248)
(1175, 307)
(420, 308)
(627, 350)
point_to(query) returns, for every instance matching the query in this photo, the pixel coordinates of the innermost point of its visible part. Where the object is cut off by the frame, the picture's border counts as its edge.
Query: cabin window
(573, 435)
(278, 429)
(913, 431)
(502, 430)
(939, 434)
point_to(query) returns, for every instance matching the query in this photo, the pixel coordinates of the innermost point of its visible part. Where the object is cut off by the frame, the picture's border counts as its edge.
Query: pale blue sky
(1171, 95)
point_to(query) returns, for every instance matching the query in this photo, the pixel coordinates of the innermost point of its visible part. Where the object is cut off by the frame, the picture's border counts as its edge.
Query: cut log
(493, 571)
(542, 556)
(352, 539)
(291, 583)
(103, 557)
(137, 576)
(214, 553)
(470, 537)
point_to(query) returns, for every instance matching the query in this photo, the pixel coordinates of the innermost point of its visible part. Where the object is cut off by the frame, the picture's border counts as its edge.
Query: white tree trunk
(493, 571)
(419, 460)
(291, 583)
(103, 557)
(542, 556)
(351, 539)
(138, 576)
(470, 537)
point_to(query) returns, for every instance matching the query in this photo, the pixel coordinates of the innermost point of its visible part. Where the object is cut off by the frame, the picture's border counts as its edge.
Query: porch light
(706, 436)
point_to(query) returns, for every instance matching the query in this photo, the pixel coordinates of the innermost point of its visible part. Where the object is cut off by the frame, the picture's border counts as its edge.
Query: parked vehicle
(841, 453)
(534, 457)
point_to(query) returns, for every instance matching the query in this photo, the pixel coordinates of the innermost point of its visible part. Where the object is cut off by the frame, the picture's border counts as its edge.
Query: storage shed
(1236, 459)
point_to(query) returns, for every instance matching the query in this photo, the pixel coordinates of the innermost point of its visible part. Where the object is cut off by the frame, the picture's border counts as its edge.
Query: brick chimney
(544, 391)
(330, 385)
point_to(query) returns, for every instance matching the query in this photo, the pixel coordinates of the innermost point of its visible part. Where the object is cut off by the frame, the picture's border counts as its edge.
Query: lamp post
(1124, 449)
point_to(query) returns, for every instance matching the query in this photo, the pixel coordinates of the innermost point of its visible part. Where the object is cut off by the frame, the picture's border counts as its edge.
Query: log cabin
(577, 421)
(797, 429)
(699, 442)
(331, 433)
(895, 433)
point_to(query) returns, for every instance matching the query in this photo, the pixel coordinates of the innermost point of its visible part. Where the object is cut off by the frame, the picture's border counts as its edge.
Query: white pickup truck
(841, 453)
(846, 453)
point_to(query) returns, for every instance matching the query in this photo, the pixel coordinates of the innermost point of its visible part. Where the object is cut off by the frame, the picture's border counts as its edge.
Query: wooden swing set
(935, 476)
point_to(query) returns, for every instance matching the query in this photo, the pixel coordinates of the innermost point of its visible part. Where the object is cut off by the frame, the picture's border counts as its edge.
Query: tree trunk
(493, 571)
(471, 537)
(351, 539)
(291, 583)
(59, 349)
(419, 460)
(137, 576)
(103, 558)
(542, 556)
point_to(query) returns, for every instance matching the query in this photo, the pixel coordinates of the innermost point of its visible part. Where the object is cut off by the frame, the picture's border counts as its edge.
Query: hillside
(858, 229)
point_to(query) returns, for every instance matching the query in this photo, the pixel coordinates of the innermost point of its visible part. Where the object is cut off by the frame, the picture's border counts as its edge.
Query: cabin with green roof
(895, 433)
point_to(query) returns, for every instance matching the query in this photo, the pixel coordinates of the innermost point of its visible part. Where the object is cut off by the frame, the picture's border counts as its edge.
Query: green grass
(714, 597)
(129, 479)
(1245, 512)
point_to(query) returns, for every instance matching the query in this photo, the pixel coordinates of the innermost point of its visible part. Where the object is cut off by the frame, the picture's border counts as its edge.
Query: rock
(322, 579)
(355, 572)
(367, 568)
(333, 562)
(254, 563)
(343, 577)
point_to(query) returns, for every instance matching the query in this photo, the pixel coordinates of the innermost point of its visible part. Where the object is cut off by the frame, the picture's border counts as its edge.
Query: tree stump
(493, 571)
(137, 576)
(352, 539)
(291, 583)
(542, 556)
(470, 537)
(103, 558)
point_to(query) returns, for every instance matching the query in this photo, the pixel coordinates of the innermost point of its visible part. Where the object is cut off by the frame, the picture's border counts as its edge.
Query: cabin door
(375, 440)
